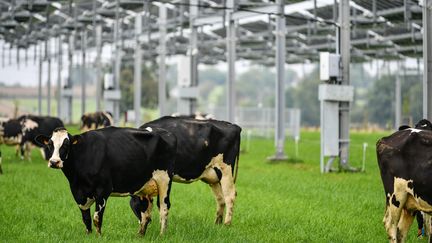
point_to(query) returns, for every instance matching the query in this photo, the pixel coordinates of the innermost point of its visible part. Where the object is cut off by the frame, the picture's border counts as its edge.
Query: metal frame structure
(229, 31)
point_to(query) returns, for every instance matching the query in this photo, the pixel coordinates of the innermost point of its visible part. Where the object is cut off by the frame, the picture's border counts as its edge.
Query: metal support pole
(231, 58)
(40, 80)
(427, 59)
(137, 71)
(398, 99)
(280, 83)
(83, 67)
(48, 53)
(162, 56)
(344, 107)
(117, 66)
(193, 51)
(59, 69)
(69, 84)
(98, 66)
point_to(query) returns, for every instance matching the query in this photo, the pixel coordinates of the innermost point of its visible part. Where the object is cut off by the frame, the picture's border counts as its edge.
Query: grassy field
(279, 202)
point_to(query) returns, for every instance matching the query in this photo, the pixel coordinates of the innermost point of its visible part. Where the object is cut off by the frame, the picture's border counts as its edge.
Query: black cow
(207, 150)
(114, 162)
(404, 161)
(95, 120)
(11, 134)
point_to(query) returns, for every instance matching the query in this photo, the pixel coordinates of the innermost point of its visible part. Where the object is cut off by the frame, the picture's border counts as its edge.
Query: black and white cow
(33, 126)
(114, 162)
(95, 120)
(404, 161)
(207, 150)
(10, 134)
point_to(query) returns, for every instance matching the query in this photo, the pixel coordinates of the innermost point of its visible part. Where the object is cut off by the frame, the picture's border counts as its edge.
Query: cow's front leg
(98, 215)
(87, 220)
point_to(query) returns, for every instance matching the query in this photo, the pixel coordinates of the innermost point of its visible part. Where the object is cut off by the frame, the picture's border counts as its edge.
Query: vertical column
(427, 59)
(40, 80)
(117, 66)
(280, 82)
(344, 107)
(59, 69)
(137, 70)
(231, 58)
(98, 66)
(48, 56)
(162, 56)
(193, 41)
(398, 98)
(83, 67)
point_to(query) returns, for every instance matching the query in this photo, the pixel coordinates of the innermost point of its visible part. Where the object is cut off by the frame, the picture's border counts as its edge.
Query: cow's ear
(42, 140)
(77, 139)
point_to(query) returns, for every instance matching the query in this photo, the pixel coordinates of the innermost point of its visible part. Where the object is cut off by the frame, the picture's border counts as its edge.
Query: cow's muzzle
(55, 164)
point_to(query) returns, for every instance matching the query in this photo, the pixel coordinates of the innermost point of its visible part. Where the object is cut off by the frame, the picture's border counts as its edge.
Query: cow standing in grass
(114, 162)
(207, 150)
(404, 159)
(95, 120)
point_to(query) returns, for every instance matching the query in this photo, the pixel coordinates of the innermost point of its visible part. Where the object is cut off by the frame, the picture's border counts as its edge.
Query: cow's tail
(237, 160)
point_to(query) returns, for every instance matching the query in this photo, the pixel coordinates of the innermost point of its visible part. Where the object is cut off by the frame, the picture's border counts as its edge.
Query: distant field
(280, 202)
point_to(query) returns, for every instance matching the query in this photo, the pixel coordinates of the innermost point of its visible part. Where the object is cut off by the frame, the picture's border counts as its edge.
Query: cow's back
(407, 154)
(198, 142)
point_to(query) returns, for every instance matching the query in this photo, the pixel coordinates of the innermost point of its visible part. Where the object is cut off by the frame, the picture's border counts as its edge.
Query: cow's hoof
(227, 223)
(218, 220)
(88, 231)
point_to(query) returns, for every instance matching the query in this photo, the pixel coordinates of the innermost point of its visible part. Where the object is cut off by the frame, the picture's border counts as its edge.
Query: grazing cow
(11, 133)
(197, 115)
(95, 120)
(207, 150)
(114, 162)
(404, 161)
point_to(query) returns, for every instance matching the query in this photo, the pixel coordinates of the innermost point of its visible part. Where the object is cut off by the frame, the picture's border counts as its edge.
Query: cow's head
(57, 147)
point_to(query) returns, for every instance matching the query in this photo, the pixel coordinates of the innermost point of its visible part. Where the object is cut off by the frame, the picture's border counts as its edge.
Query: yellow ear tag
(75, 142)
(46, 142)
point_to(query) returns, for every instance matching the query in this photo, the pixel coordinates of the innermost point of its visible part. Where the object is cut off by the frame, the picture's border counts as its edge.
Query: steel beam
(98, 67)
(427, 59)
(280, 83)
(48, 56)
(59, 70)
(231, 58)
(40, 80)
(344, 107)
(137, 71)
(193, 51)
(83, 67)
(162, 57)
(398, 99)
(117, 64)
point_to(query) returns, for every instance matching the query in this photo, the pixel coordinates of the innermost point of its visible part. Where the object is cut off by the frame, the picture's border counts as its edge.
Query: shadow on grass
(285, 161)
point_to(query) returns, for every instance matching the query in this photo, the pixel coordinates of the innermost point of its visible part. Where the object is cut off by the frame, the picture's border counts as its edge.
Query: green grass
(279, 202)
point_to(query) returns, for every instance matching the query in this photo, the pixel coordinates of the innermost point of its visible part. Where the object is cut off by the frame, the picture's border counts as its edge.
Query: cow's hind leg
(220, 201)
(163, 182)
(142, 207)
(229, 192)
(404, 225)
(395, 205)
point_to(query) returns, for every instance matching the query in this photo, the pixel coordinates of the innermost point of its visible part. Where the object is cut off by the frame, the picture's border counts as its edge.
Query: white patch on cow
(110, 118)
(29, 125)
(13, 140)
(58, 138)
(206, 143)
(120, 194)
(162, 180)
(149, 129)
(43, 153)
(88, 204)
(414, 130)
(424, 125)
